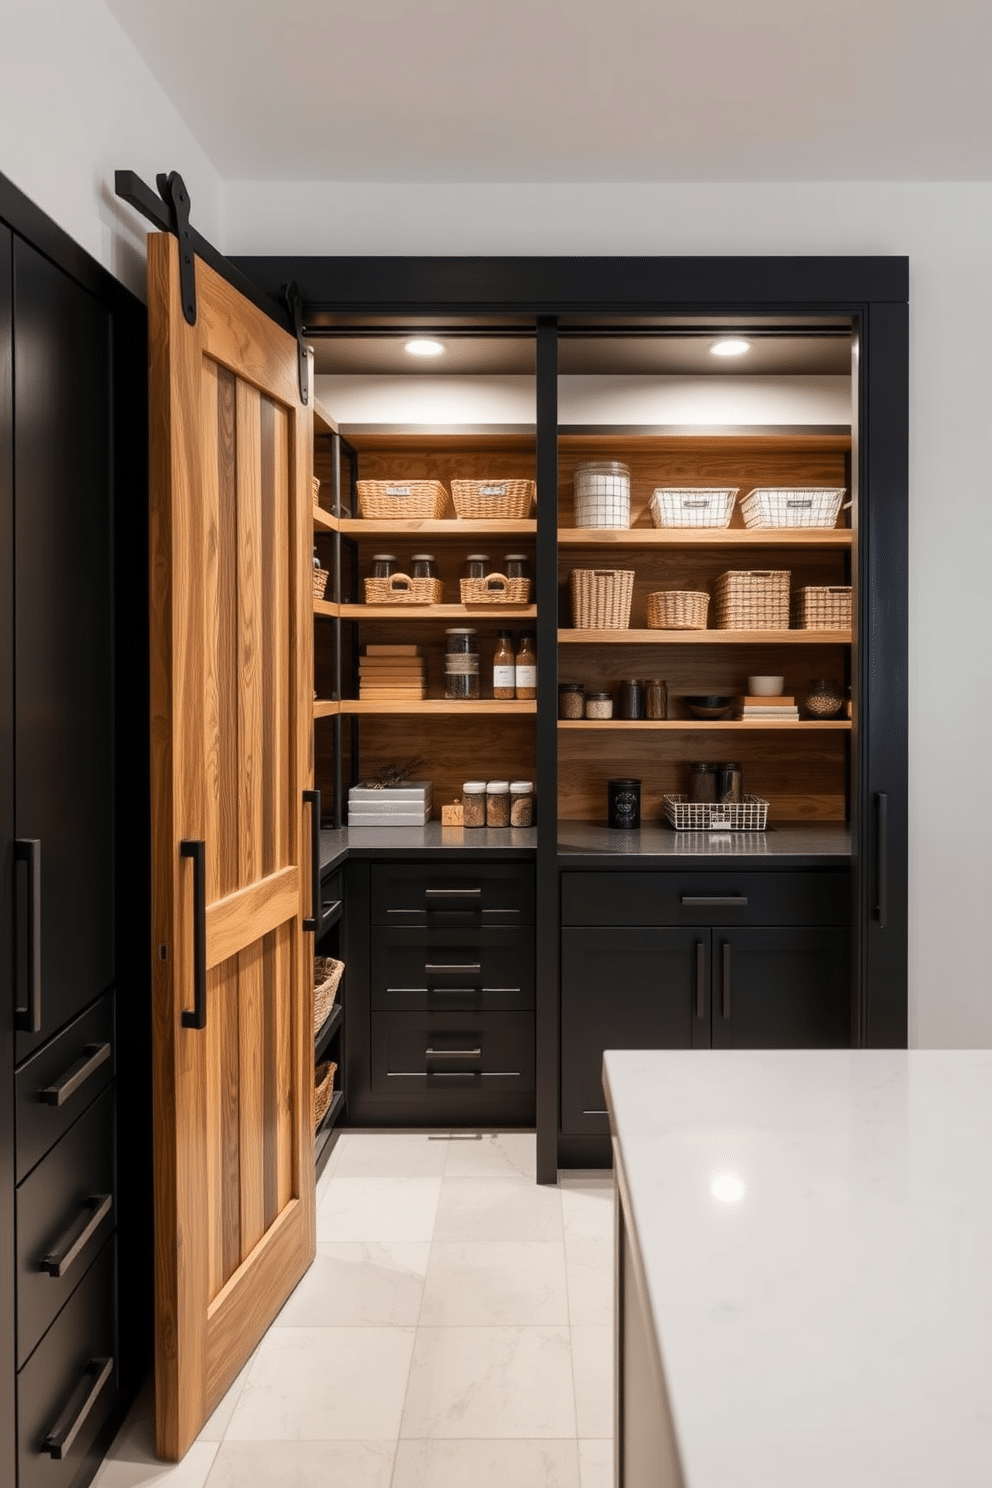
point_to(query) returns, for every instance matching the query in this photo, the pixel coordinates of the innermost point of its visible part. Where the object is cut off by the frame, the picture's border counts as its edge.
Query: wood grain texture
(454, 749)
(237, 920)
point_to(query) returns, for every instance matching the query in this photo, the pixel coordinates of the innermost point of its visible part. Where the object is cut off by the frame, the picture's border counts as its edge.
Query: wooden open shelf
(408, 612)
(324, 522)
(705, 537)
(452, 528)
(515, 708)
(719, 725)
(704, 637)
(325, 709)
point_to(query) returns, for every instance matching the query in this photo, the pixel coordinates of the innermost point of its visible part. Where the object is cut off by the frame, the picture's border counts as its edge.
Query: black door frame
(540, 292)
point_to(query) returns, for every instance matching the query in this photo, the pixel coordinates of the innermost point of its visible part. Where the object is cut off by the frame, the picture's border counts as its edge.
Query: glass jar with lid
(498, 803)
(383, 565)
(424, 566)
(516, 566)
(474, 803)
(461, 663)
(521, 803)
(571, 700)
(476, 565)
(599, 705)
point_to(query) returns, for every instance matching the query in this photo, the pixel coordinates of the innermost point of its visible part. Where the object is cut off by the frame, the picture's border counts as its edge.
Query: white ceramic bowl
(765, 686)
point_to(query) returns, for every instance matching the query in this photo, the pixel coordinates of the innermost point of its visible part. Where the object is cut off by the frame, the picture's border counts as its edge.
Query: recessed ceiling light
(423, 346)
(728, 1189)
(730, 347)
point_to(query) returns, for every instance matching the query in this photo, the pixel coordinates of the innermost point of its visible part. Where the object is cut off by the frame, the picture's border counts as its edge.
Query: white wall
(77, 102)
(946, 229)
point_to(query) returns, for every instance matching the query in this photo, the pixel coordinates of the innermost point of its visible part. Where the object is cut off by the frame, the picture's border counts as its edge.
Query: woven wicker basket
(681, 506)
(817, 607)
(320, 578)
(315, 488)
(323, 1079)
(497, 500)
(601, 598)
(792, 506)
(327, 972)
(392, 500)
(677, 609)
(401, 589)
(495, 589)
(753, 599)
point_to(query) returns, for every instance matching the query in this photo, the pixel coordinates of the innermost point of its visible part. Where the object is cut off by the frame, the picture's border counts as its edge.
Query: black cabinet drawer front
(56, 1085)
(65, 1213)
(68, 1387)
(489, 1053)
(443, 970)
(809, 896)
(453, 894)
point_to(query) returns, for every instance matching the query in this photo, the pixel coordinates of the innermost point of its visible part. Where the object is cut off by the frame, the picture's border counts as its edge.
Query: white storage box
(685, 506)
(406, 805)
(792, 506)
(602, 494)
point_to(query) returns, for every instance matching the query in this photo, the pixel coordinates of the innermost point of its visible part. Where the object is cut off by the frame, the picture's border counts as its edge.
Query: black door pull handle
(470, 968)
(708, 901)
(27, 850)
(197, 850)
(312, 798)
(700, 979)
(882, 860)
(726, 979)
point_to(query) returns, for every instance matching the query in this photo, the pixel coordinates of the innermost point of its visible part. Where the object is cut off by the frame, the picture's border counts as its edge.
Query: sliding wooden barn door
(232, 754)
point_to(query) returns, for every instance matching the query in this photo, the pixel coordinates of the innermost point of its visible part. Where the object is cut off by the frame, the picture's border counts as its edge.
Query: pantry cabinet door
(232, 754)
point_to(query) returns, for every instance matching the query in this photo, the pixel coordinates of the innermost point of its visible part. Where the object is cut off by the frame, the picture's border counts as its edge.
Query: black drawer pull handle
(595, 1113)
(726, 979)
(473, 966)
(453, 1053)
(59, 1440)
(92, 1057)
(197, 850)
(452, 893)
(71, 1245)
(708, 901)
(28, 850)
(312, 798)
(700, 979)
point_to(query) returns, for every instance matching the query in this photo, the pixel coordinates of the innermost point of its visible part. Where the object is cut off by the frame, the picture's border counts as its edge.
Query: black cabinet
(330, 1032)
(643, 966)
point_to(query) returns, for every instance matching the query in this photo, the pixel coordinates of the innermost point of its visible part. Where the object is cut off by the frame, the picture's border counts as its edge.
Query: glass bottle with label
(526, 666)
(504, 675)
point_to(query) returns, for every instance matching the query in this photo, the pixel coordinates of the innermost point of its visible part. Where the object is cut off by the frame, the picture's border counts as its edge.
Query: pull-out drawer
(492, 1053)
(446, 969)
(68, 1387)
(65, 1212)
(455, 894)
(811, 896)
(56, 1085)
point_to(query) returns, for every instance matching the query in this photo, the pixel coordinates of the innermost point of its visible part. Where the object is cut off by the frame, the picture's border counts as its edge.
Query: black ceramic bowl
(710, 706)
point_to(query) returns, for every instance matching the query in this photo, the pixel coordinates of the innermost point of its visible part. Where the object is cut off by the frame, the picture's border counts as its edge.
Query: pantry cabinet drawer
(811, 896)
(65, 1213)
(445, 969)
(56, 1085)
(68, 1387)
(455, 894)
(452, 1053)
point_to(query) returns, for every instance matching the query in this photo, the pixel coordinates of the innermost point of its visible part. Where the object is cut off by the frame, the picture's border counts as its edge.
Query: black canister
(729, 783)
(624, 804)
(702, 783)
(631, 698)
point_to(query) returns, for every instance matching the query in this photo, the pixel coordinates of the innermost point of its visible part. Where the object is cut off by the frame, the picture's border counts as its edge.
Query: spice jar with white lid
(474, 803)
(521, 803)
(498, 803)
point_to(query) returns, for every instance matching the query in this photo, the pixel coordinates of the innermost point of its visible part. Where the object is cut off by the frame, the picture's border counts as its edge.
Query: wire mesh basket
(822, 607)
(684, 506)
(749, 815)
(493, 500)
(792, 506)
(602, 494)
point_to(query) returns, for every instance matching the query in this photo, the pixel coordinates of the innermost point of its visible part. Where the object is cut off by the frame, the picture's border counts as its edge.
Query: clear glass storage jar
(424, 566)
(521, 803)
(498, 803)
(383, 565)
(476, 565)
(571, 700)
(599, 705)
(474, 803)
(461, 663)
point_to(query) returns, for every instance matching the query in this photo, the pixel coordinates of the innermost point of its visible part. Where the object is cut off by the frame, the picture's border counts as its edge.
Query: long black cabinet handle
(197, 850)
(700, 979)
(70, 1246)
(882, 866)
(453, 1053)
(312, 798)
(726, 979)
(59, 1440)
(92, 1057)
(708, 901)
(442, 966)
(28, 850)
(452, 893)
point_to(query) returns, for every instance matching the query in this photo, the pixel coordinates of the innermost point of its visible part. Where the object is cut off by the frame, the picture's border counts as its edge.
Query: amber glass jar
(504, 669)
(526, 666)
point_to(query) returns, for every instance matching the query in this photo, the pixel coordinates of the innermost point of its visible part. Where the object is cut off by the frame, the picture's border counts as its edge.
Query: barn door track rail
(169, 211)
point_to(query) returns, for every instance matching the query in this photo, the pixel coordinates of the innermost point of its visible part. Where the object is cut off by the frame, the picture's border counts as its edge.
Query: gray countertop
(422, 842)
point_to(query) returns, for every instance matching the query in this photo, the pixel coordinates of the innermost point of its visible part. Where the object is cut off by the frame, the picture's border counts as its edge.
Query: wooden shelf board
(327, 1030)
(681, 725)
(324, 522)
(705, 537)
(441, 528)
(696, 439)
(326, 709)
(442, 705)
(704, 637)
(326, 608)
(409, 612)
(473, 438)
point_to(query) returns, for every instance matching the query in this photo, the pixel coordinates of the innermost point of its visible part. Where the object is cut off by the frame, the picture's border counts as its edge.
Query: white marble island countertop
(832, 1326)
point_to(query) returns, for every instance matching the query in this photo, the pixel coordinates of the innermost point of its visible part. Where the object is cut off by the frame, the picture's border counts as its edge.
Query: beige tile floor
(454, 1331)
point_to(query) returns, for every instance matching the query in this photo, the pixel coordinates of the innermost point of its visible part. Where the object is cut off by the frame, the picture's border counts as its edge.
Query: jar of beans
(461, 664)
(498, 803)
(521, 803)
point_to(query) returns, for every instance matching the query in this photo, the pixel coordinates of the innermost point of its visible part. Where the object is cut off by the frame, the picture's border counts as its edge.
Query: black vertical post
(338, 685)
(8, 1431)
(547, 1030)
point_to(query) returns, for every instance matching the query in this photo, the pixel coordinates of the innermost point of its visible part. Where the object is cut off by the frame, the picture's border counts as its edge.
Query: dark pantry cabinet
(67, 333)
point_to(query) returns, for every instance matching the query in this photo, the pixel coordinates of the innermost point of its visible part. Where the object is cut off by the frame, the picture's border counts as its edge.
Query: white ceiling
(575, 90)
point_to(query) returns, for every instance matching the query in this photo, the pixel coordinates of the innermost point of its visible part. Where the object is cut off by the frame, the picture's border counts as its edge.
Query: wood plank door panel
(232, 667)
